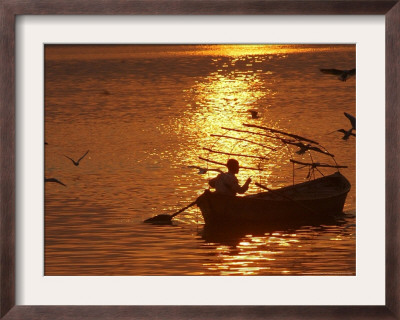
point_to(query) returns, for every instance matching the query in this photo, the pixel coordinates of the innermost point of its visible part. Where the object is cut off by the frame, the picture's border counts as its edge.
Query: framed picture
(85, 133)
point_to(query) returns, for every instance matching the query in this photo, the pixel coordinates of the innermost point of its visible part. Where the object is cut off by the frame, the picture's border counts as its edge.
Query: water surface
(146, 113)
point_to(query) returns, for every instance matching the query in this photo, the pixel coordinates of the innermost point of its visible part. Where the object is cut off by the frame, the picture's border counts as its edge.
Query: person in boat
(227, 183)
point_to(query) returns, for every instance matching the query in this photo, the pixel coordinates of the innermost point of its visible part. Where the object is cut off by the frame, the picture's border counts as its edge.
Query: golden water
(146, 113)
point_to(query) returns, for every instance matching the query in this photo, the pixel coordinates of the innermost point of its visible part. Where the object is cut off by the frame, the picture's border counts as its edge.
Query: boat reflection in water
(275, 249)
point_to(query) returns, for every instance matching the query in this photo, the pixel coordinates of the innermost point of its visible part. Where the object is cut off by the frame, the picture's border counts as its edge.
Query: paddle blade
(160, 219)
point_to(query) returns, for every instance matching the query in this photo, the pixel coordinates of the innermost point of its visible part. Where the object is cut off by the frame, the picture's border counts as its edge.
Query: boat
(319, 200)
(315, 201)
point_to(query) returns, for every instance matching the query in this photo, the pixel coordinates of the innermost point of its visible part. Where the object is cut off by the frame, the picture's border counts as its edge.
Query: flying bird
(254, 114)
(54, 180)
(352, 120)
(348, 133)
(203, 170)
(305, 147)
(76, 163)
(343, 74)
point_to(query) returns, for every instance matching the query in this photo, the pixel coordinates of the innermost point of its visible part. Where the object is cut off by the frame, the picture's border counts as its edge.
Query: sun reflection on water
(222, 100)
(239, 52)
(252, 254)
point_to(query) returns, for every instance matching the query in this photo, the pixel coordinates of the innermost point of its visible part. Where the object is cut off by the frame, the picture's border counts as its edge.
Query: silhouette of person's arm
(241, 189)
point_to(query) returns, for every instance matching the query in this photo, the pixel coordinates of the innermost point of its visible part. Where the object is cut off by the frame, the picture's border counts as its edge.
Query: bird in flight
(305, 147)
(54, 180)
(348, 133)
(254, 114)
(204, 170)
(352, 120)
(76, 163)
(343, 74)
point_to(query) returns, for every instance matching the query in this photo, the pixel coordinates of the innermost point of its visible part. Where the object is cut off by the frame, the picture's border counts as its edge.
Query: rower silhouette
(227, 183)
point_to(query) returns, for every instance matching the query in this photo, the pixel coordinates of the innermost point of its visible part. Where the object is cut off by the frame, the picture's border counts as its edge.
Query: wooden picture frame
(9, 9)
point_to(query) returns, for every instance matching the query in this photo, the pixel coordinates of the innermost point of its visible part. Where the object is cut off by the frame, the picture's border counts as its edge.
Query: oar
(286, 197)
(166, 218)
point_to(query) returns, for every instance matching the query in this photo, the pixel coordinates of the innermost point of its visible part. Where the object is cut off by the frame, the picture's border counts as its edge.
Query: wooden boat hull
(311, 201)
